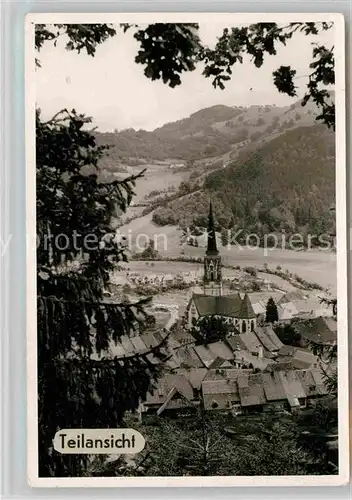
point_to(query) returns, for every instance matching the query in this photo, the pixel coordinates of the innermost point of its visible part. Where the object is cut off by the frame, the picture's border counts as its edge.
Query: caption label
(98, 441)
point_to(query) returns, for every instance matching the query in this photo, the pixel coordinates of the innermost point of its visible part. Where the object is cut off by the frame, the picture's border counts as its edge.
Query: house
(172, 396)
(259, 302)
(149, 339)
(311, 308)
(259, 392)
(295, 358)
(251, 392)
(274, 391)
(268, 338)
(303, 359)
(247, 360)
(221, 395)
(205, 355)
(188, 357)
(221, 350)
(195, 377)
(290, 297)
(294, 390)
(182, 336)
(286, 312)
(225, 373)
(138, 343)
(215, 355)
(269, 332)
(235, 343)
(251, 342)
(127, 345)
(320, 330)
(313, 383)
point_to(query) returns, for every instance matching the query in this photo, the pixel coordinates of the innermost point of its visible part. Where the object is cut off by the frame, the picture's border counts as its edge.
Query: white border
(341, 215)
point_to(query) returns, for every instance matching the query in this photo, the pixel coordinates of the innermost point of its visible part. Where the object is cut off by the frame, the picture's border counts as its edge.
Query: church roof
(246, 311)
(224, 305)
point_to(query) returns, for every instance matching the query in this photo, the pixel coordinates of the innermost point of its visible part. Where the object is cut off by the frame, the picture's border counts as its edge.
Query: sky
(112, 89)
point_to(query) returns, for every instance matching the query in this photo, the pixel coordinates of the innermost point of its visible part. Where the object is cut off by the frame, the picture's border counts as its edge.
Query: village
(247, 368)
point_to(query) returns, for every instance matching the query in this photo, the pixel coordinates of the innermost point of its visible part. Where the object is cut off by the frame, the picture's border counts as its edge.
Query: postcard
(187, 250)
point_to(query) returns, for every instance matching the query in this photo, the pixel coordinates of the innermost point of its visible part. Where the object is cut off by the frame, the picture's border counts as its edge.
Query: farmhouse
(173, 395)
(321, 330)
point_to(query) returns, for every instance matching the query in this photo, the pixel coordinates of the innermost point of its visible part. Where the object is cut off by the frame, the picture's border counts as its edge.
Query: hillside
(210, 132)
(288, 185)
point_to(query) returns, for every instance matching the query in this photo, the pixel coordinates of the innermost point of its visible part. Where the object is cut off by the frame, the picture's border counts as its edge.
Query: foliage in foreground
(215, 444)
(169, 50)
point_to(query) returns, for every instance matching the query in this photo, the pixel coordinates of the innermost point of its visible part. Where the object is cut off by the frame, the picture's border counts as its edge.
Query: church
(233, 308)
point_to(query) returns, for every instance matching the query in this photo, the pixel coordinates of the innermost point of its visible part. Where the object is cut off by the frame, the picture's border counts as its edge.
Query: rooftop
(224, 305)
(320, 330)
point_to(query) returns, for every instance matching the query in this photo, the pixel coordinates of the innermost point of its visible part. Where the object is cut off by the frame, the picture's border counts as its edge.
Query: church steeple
(211, 247)
(212, 261)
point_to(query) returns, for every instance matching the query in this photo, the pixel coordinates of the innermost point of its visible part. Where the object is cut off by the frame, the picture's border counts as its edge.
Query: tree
(327, 355)
(150, 253)
(80, 384)
(288, 335)
(206, 445)
(319, 433)
(224, 236)
(330, 303)
(182, 50)
(210, 329)
(271, 315)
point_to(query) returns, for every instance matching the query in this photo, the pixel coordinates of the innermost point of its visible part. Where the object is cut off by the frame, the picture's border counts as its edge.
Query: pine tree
(271, 315)
(150, 252)
(80, 383)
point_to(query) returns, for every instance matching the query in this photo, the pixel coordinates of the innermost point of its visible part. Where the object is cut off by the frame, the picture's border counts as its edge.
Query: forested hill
(287, 184)
(209, 132)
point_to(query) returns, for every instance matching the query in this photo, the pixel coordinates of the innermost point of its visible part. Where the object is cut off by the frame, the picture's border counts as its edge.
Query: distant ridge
(207, 133)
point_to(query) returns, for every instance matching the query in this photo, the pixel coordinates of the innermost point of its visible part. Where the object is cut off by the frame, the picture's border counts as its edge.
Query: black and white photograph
(187, 295)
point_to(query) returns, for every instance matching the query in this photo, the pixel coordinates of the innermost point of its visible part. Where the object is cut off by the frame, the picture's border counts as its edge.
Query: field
(315, 266)
(274, 286)
(156, 177)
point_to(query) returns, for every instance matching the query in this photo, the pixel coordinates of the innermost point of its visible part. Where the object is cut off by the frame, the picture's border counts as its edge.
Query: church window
(244, 327)
(252, 326)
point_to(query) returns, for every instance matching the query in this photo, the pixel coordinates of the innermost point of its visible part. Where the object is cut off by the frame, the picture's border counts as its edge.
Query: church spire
(211, 247)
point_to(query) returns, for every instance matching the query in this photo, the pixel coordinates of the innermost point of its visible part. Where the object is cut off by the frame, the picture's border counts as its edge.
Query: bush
(250, 270)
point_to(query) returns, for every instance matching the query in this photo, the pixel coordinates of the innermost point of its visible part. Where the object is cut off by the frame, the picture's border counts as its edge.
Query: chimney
(260, 352)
